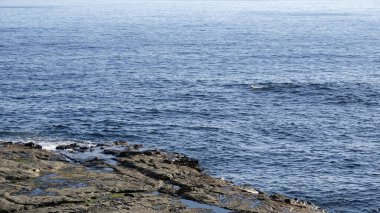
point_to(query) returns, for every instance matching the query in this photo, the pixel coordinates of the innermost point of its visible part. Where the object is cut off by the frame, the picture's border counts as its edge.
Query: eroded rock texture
(117, 177)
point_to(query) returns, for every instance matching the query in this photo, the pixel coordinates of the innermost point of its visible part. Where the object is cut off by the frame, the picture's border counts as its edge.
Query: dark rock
(180, 159)
(152, 152)
(70, 146)
(120, 143)
(73, 146)
(83, 148)
(129, 153)
(33, 145)
(137, 146)
(112, 152)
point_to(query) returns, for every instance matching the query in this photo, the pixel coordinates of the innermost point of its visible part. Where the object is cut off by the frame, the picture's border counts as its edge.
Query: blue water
(283, 95)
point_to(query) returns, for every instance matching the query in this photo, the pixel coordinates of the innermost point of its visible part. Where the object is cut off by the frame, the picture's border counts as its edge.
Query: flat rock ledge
(118, 177)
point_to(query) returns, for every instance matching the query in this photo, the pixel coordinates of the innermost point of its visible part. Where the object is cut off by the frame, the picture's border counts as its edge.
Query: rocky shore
(119, 177)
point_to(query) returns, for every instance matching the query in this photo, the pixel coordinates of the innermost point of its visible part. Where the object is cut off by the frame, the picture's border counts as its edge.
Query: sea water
(283, 95)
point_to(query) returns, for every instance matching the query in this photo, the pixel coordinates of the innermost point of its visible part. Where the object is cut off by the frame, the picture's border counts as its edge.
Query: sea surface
(283, 95)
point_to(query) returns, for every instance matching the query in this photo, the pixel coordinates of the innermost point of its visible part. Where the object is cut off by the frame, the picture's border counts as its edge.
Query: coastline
(120, 177)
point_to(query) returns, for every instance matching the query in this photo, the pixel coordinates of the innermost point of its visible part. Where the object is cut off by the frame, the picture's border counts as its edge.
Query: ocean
(282, 95)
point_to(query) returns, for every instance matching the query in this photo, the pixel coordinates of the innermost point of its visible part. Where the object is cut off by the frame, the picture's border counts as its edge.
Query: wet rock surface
(117, 177)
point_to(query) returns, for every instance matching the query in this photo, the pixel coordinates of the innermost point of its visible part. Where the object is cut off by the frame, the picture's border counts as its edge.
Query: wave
(48, 143)
(331, 92)
(293, 85)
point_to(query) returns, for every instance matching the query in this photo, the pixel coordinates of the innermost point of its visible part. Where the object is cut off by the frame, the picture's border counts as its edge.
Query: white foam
(255, 86)
(51, 144)
(48, 146)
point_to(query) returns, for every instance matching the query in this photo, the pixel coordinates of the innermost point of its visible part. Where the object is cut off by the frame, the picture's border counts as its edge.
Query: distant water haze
(283, 95)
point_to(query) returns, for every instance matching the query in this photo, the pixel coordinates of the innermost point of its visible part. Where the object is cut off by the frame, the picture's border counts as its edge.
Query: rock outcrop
(118, 177)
